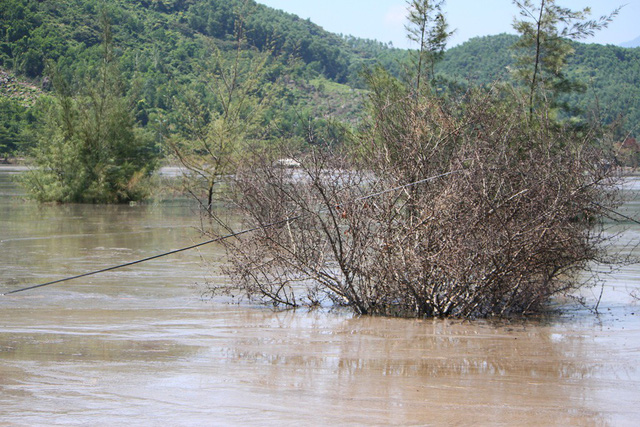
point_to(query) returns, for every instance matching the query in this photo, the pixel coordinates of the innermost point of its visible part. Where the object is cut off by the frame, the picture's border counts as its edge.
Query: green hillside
(610, 75)
(162, 47)
(168, 35)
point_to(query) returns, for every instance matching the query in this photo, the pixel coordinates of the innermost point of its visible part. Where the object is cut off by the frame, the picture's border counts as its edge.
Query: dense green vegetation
(162, 46)
(610, 75)
(88, 147)
(15, 121)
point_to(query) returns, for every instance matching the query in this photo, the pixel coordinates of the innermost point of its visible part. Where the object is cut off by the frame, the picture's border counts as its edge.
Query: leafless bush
(443, 209)
(309, 239)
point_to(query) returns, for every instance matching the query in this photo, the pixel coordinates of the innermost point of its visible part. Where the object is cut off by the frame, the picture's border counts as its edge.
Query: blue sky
(384, 20)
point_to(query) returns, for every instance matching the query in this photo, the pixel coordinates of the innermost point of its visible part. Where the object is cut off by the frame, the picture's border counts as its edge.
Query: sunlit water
(141, 346)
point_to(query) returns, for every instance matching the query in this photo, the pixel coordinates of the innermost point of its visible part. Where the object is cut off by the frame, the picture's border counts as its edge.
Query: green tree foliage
(89, 149)
(610, 74)
(429, 29)
(479, 61)
(225, 116)
(16, 123)
(160, 44)
(369, 53)
(167, 36)
(543, 48)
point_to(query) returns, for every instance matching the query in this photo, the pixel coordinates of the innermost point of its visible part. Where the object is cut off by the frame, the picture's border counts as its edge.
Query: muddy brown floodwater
(140, 346)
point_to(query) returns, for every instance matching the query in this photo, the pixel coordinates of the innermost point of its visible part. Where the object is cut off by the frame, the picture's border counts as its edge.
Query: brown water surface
(140, 346)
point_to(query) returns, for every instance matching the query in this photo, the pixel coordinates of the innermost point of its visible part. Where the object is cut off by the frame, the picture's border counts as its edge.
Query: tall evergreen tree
(428, 28)
(225, 116)
(89, 150)
(545, 29)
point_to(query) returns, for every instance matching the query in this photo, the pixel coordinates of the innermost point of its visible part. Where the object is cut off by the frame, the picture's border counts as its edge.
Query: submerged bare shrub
(473, 205)
(311, 243)
(443, 209)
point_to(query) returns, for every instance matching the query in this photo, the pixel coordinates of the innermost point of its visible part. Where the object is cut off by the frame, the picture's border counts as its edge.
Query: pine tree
(541, 53)
(221, 120)
(89, 149)
(427, 27)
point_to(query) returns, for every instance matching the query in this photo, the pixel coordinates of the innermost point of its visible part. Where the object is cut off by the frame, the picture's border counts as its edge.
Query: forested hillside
(610, 75)
(162, 47)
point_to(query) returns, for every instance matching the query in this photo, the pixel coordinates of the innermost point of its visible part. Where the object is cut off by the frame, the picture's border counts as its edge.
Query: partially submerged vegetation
(442, 211)
(89, 149)
(467, 204)
(441, 200)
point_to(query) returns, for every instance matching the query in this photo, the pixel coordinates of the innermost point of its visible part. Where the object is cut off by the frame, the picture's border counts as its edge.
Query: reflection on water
(140, 346)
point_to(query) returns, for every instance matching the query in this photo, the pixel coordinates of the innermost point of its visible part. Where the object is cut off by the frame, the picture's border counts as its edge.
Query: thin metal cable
(115, 267)
(613, 211)
(239, 233)
(400, 187)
